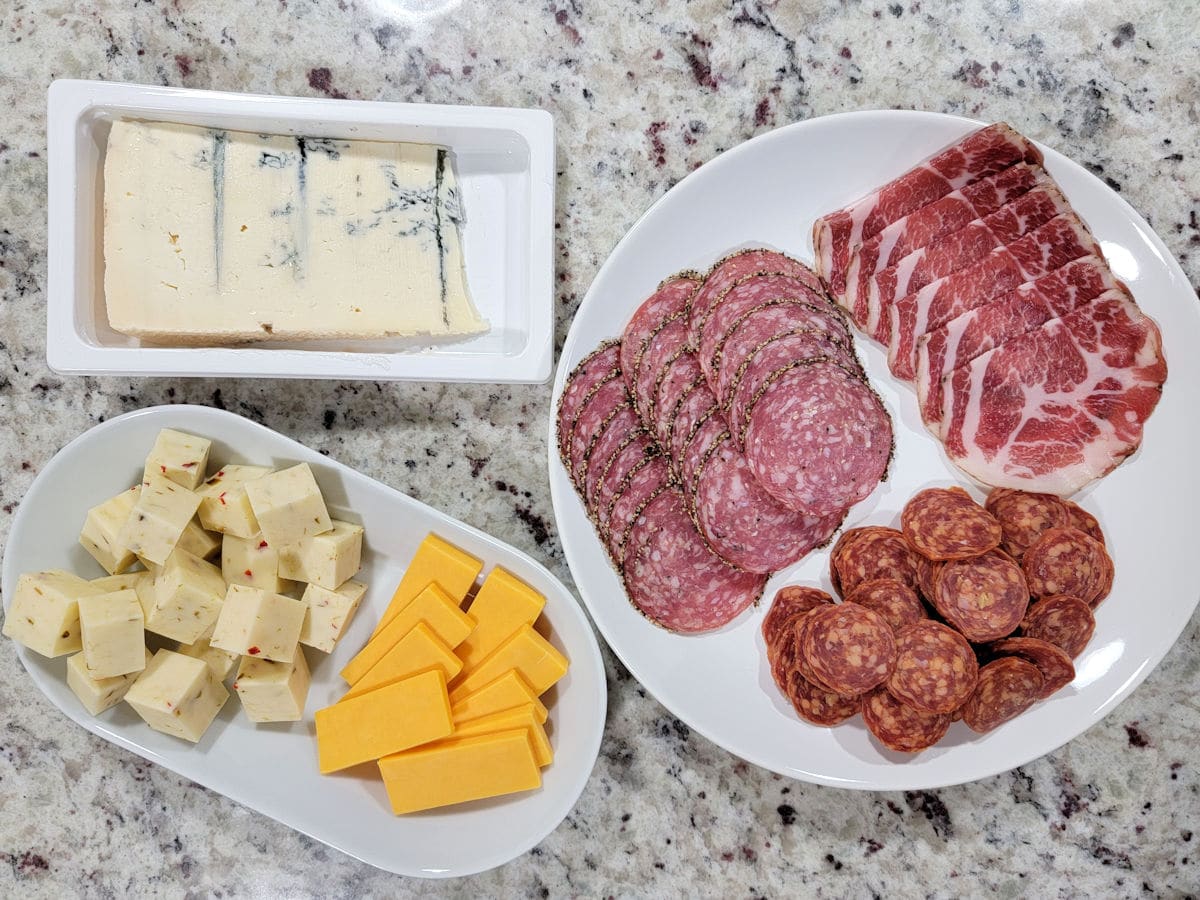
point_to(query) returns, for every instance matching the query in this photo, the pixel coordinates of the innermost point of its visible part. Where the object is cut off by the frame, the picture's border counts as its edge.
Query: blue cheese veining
(217, 236)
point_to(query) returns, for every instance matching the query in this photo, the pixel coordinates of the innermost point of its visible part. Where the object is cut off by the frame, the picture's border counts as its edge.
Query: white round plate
(273, 768)
(769, 191)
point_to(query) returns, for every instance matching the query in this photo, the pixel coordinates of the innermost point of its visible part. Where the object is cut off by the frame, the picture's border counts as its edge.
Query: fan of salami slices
(967, 611)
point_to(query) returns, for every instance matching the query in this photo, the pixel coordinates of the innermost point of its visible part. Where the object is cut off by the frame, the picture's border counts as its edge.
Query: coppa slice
(1060, 406)
(978, 155)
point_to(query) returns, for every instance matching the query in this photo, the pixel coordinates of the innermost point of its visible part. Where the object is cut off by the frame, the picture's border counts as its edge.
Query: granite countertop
(642, 92)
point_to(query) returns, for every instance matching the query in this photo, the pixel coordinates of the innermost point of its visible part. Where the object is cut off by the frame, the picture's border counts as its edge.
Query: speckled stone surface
(643, 93)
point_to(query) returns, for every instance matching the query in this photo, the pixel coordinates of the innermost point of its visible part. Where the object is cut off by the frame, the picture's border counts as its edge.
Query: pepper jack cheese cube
(44, 613)
(509, 691)
(417, 651)
(327, 559)
(101, 528)
(220, 661)
(395, 717)
(188, 593)
(198, 542)
(99, 694)
(456, 771)
(180, 457)
(435, 608)
(328, 613)
(162, 511)
(140, 582)
(288, 505)
(504, 603)
(112, 630)
(254, 622)
(252, 561)
(224, 506)
(273, 691)
(177, 695)
(534, 658)
(438, 561)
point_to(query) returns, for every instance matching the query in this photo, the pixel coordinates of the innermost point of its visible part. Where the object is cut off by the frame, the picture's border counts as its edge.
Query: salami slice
(670, 300)
(819, 439)
(850, 648)
(622, 427)
(1023, 516)
(1067, 561)
(984, 597)
(900, 727)
(871, 552)
(1052, 661)
(927, 573)
(935, 668)
(894, 600)
(601, 365)
(675, 581)
(1081, 519)
(590, 423)
(1062, 620)
(662, 349)
(629, 500)
(817, 705)
(790, 603)
(697, 407)
(800, 658)
(680, 379)
(1007, 687)
(606, 474)
(945, 523)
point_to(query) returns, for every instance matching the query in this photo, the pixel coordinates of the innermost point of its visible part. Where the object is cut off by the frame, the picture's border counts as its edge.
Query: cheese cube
(183, 458)
(288, 505)
(188, 593)
(198, 542)
(273, 691)
(220, 661)
(534, 658)
(506, 692)
(224, 506)
(102, 526)
(435, 560)
(252, 561)
(328, 613)
(504, 603)
(417, 651)
(112, 632)
(455, 771)
(44, 613)
(177, 695)
(254, 622)
(520, 717)
(142, 582)
(99, 694)
(432, 606)
(326, 559)
(162, 511)
(395, 717)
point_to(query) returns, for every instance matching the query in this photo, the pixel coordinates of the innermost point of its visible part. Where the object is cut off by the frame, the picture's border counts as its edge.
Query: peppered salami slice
(628, 502)
(622, 428)
(1023, 516)
(599, 366)
(849, 647)
(935, 669)
(1007, 687)
(1067, 561)
(1052, 661)
(816, 705)
(662, 349)
(894, 600)
(590, 423)
(612, 476)
(870, 552)
(1062, 620)
(675, 580)
(1081, 519)
(900, 727)
(945, 523)
(706, 440)
(698, 407)
(669, 302)
(819, 439)
(681, 378)
(791, 601)
(985, 597)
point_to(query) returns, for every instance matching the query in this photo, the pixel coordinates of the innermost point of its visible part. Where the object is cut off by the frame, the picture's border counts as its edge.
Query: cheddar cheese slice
(505, 693)
(417, 651)
(535, 660)
(504, 603)
(435, 560)
(521, 717)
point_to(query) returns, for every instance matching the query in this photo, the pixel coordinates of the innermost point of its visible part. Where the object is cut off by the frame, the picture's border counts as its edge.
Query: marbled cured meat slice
(850, 648)
(957, 251)
(599, 366)
(978, 155)
(1067, 561)
(984, 597)
(927, 573)
(1059, 406)
(869, 553)
(942, 350)
(815, 704)
(1041, 251)
(935, 670)
(705, 442)
(818, 439)
(1007, 687)
(945, 523)
(1023, 516)
(1062, 620)
(900, 727)
(697, 408)
(669, 301)
(894, 600)
(918, 229)
(1052, 661)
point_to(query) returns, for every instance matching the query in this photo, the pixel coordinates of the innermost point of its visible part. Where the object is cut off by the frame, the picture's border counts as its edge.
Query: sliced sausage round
(1007, 687)
(945, 523)
(898, 726)
(984, 597)
(1023, 516)
(1062, 620)
(935, 668)
(851, 649)
(1067, 561)
(1052, 661)
(894, 600)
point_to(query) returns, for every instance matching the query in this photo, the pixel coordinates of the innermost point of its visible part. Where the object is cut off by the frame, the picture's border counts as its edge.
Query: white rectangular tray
(505, 163)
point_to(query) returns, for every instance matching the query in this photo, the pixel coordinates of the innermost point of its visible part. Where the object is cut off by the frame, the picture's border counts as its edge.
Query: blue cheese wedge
(215, 236)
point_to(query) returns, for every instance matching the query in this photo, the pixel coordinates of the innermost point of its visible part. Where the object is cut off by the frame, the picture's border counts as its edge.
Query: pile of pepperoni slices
(967, 612)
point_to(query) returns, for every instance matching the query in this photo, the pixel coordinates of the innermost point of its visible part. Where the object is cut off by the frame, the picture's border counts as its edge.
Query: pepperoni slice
(927, 573)
(1062, 620)
(789, 604)
(849, 647)
(817, 705)
(1067, 561)
(900, 727)
(864, 554)
(1053, 662)
(945, 523)
(1007, 687)
(985, 597)
(935, 668)
(1023, 516)
(894, 600)
(1083, 520)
